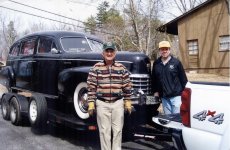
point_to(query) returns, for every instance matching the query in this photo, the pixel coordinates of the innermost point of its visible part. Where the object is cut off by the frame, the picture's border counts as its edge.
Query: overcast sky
(77, 9)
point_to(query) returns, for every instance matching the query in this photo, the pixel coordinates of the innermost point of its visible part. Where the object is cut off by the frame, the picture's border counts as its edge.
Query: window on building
(192, 47)
(224, 42)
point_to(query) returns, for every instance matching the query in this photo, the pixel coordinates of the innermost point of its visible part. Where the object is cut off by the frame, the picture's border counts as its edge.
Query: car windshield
(95, 45)
(75, 44)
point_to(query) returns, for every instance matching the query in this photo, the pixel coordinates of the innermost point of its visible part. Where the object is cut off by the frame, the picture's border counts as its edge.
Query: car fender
(69, 78)
(8, 75)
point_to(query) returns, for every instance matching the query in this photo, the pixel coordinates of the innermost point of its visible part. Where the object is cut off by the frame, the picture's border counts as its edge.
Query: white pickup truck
(204, 119)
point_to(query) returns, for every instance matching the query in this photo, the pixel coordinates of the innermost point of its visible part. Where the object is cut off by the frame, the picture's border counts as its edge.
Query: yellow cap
(164, 44)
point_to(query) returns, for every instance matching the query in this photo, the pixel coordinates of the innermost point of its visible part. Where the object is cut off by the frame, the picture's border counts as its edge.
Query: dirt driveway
(207, 77)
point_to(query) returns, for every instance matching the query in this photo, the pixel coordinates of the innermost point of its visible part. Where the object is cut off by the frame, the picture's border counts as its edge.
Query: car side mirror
(54, 51)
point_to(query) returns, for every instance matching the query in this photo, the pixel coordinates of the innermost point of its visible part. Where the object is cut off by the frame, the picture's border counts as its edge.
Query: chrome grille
(141, 82)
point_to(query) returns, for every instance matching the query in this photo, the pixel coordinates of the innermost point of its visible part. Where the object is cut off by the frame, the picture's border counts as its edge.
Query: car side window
(28, 47)
(95, 45)
(45, 45)
(15, 49)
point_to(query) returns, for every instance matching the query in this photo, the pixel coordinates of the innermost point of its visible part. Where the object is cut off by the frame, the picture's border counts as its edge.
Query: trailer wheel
(5, 108)
(38, 111)
(15, 115)
(80, 100)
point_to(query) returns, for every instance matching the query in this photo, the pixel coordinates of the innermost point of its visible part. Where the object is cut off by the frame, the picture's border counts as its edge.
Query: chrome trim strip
(139, 76)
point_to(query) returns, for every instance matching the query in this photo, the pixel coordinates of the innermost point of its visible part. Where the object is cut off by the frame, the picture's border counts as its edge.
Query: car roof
(59, 34)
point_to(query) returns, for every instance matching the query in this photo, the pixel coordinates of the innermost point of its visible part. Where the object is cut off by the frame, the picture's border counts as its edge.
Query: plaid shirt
(108, 83)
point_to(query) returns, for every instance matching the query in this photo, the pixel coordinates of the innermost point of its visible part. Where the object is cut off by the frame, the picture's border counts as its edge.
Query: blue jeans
(171, 105)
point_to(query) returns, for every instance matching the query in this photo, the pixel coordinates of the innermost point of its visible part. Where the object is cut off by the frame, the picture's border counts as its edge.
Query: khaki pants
(110, 116)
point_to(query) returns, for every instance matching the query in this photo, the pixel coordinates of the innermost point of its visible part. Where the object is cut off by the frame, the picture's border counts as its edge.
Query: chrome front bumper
(141, 99)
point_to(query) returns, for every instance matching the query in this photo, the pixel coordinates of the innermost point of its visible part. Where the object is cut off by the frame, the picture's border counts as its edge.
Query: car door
(24, 69)
(46, 67)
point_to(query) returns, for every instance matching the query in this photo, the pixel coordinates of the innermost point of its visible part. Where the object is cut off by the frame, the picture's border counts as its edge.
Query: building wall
(206, 25)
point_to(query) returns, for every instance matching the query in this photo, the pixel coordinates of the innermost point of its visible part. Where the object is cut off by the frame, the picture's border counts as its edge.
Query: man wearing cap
(109, 91)
(168, 79)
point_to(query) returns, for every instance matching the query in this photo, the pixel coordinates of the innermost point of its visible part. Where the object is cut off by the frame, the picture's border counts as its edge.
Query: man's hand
(91, 108)
(128, 106)
(157, 98)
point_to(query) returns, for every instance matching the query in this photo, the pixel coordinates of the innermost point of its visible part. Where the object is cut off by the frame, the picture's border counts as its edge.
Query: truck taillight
(185, 107)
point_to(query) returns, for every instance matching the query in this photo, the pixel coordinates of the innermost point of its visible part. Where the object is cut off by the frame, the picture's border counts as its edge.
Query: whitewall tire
(80, 100)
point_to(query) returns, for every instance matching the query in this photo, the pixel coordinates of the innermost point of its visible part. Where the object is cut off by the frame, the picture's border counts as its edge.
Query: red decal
(211, 113)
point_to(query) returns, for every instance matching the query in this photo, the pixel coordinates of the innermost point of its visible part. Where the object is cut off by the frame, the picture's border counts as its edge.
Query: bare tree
(141, 21)
(9, 37)
(134, 29)
(183, 5)
(8, 34)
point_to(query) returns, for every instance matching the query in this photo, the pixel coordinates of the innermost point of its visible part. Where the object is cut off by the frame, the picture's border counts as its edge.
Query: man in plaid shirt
(109, 88)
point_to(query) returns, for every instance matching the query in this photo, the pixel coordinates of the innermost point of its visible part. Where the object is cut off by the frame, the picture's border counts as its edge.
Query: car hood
(135, 62)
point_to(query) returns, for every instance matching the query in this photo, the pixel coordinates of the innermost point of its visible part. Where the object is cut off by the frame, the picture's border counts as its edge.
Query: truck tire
(80, 100)
(5, 108)
(15, 115)
(38, 111)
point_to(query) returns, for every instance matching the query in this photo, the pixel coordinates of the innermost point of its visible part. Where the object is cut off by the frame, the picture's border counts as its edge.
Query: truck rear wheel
(15, 115)
(80, 100)
(5, 108)
(38, 111)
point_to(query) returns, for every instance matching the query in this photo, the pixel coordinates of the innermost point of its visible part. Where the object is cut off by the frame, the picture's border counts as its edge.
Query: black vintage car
(46, 75)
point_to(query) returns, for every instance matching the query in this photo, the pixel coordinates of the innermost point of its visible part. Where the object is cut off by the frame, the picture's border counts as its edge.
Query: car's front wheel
(80, 100)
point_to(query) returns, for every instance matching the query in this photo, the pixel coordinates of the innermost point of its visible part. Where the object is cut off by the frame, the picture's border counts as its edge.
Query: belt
(109, 101)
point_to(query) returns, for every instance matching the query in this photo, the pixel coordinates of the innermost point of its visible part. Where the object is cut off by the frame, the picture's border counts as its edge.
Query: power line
(54, 20)
(38, 16)
(59, 15)
(87, 4)
(45, 11)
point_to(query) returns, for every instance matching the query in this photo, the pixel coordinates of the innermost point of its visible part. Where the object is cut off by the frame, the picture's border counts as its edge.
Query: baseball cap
(109, 45)
(164, 44)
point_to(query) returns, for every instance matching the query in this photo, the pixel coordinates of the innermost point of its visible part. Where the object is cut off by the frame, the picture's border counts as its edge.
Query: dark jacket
(169, 79)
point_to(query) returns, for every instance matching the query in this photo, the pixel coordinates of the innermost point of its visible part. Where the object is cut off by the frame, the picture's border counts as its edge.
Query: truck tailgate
(172, 121)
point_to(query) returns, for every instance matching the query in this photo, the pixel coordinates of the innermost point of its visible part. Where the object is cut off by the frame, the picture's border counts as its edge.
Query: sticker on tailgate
(217, 119)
